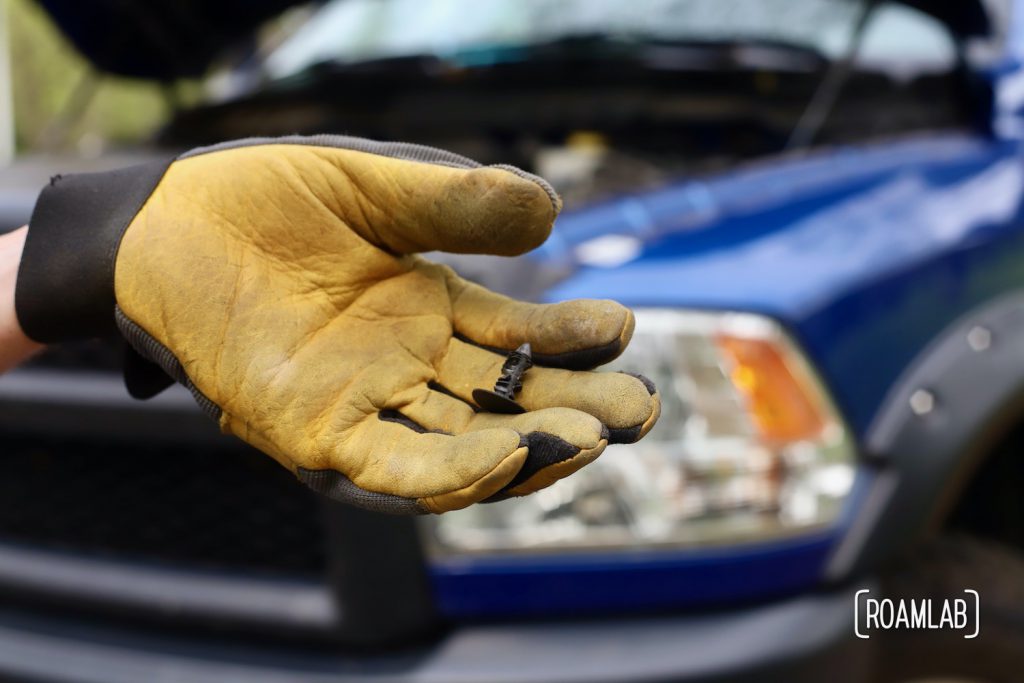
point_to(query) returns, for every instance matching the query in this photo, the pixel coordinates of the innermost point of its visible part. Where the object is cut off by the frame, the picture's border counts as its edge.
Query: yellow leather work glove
(278, 280)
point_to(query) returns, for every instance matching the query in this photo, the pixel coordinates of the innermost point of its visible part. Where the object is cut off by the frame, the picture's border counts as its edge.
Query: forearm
(14, 345)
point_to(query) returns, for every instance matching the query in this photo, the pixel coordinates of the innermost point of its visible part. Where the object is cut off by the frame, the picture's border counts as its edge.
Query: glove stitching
(147, 346)
(396, 150)
(337, 486)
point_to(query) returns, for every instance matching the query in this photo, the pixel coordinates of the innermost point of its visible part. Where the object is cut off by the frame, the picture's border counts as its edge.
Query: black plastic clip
(502, 399)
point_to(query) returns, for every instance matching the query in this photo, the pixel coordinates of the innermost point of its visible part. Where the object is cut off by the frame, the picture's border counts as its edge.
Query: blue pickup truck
(815, 208)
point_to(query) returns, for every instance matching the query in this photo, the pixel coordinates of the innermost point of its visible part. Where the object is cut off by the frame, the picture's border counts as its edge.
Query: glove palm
(280, 282)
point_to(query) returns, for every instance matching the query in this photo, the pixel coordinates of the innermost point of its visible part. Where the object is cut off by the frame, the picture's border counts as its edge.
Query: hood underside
(159, 39)
(169, 39)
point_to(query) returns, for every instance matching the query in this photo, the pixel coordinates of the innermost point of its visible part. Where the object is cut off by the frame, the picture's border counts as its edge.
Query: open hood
(168, 39)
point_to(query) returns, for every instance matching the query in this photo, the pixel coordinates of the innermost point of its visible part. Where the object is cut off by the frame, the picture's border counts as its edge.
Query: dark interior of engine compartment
(634, 121)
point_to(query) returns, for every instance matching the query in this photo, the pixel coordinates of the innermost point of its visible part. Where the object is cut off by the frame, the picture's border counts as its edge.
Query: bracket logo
(872, 615)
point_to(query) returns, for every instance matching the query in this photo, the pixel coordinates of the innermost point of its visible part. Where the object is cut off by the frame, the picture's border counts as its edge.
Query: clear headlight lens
(748, 447)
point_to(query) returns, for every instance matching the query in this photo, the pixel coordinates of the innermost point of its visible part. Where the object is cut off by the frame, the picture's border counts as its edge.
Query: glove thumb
(408, 206)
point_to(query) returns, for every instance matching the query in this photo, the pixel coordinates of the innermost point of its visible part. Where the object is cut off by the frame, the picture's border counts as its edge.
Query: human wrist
(15, 345)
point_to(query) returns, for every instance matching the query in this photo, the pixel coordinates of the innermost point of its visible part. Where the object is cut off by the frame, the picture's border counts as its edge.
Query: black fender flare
(954, 401)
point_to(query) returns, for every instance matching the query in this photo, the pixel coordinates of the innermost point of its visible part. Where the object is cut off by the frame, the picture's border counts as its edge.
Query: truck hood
(787, 236)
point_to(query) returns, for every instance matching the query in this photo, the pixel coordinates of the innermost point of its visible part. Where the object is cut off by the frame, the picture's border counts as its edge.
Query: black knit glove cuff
(65, 287)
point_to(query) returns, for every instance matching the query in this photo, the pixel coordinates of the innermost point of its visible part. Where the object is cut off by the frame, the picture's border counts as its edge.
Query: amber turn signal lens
(779, 398)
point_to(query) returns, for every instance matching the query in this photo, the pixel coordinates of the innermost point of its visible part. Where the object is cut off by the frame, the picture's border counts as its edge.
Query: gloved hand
(277, 280)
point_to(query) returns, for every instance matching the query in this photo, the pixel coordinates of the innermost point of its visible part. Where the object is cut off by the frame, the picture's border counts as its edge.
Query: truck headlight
(748, 447)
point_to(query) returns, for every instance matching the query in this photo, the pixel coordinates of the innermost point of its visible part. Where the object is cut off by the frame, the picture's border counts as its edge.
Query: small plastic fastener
(502, 399)
(922, 402)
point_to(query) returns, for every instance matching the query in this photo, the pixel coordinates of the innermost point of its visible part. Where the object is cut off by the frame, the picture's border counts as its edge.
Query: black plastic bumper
(804, 639)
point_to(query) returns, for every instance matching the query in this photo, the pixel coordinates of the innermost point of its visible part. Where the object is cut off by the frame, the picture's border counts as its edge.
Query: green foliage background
(46, 70)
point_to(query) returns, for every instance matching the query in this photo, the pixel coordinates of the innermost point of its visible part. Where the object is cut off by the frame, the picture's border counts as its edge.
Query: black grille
(210, 507)
(90, 475)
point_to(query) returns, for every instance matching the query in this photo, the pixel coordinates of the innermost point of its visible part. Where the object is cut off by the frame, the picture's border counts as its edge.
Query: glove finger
(628, 405)
(388, 463)
(578, 334)
(410, 206)
(560, 441)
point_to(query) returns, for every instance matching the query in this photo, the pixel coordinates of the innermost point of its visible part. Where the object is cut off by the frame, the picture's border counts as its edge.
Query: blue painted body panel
(864, 253)
(608, 583)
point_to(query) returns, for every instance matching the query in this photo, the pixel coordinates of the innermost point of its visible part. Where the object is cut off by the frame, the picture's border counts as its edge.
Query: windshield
(347, 31)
